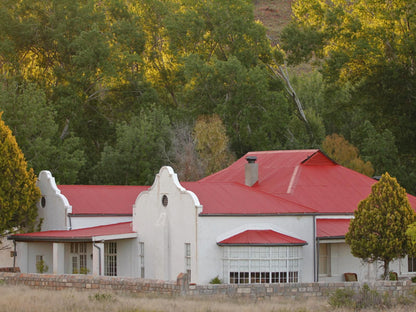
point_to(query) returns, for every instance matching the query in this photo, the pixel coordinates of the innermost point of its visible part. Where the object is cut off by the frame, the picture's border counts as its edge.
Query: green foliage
(37, 133)
(102, 297)
(41, 267)
(342, 298)
(392, 276)
(363, 50)
(212, 144)
(378, 230)
(82, 270)
(254, 109)
(140, 149)
(365, 298)
(18, 191)
(346, 154)
(215, 280)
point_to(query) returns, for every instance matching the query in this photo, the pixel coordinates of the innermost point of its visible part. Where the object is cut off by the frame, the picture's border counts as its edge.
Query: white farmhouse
(271, 217)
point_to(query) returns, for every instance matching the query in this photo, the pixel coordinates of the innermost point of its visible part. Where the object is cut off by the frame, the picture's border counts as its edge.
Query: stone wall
(392, 288)
(90, 282)
(181, 286)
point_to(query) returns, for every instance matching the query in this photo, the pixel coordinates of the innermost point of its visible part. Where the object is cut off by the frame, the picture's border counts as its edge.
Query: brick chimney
(251, 170)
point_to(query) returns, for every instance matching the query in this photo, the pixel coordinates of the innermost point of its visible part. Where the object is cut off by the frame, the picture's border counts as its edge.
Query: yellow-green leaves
(212, 143)
(18, 191)
(346, 154)
(378, 231)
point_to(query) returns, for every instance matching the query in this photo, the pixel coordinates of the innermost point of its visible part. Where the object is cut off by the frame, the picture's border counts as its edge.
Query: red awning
(85, 234)
(261, 238)
(332, 228)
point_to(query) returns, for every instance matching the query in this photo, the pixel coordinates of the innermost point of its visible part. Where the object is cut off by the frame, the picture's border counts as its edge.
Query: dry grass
(25, 299)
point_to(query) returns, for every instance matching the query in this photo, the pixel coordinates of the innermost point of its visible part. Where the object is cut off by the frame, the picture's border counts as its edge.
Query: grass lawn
(14, 298)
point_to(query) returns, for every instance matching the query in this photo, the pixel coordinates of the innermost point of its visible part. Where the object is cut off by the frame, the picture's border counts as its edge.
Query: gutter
(14, 254)
(315, 253)
(100, 215)
(266, 245)
(296, 214)
(49, 239)
(99, 258)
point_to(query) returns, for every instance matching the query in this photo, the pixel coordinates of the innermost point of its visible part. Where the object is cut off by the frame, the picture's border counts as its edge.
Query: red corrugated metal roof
(79, 234)
(290, 182)
(233, 198)
(101, 199)
(261, 237)
(332, 228)
(306, 177)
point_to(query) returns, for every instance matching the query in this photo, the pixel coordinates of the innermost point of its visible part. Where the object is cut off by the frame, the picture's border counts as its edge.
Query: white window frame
(110, 258)
(262, 264)
(141, 255)
(324, 259)
(188, 260)
(78, 257)
(411, 264)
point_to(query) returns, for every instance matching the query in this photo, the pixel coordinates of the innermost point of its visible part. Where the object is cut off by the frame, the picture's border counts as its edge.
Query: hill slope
(274, 14)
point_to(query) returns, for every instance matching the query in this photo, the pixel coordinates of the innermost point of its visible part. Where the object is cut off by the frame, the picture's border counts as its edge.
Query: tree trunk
(386, 269)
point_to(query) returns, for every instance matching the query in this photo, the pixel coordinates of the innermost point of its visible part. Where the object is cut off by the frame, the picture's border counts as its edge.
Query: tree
(367, 48)
(140, 149)
(18, 191)
(44, 146)
(378, 230)
(183, 154)
(346, 154)
(212, 143)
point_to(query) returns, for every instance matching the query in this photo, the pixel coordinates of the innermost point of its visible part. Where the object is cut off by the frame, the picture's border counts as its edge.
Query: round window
(164, 200)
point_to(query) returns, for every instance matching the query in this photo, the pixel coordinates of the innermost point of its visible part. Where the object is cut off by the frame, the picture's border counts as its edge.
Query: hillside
(274, 14)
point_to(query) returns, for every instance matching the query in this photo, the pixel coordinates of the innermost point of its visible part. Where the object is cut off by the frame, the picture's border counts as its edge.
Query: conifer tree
(18, 191)
(378, 231)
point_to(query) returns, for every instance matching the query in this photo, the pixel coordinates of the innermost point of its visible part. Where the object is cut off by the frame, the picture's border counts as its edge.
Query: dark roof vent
(251, 159)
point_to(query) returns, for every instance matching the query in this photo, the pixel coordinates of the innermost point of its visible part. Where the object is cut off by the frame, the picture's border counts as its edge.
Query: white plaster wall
(211, 229)
(165, 230)
(6, 247)
(54, 214)
(342, 261)
(127, 258)
(28, 252)
(85, 222)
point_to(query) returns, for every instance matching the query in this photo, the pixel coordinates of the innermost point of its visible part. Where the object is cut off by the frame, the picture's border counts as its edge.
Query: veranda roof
(85, 234)
(261, 238)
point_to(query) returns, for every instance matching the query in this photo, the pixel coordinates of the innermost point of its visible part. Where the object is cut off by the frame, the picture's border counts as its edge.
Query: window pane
(260, 264)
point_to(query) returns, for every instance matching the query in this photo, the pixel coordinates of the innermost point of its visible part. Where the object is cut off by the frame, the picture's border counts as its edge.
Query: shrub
(392, 276)
(41, 266)
(102, 297)
(342, 298)
(365, 298)
(216, 280)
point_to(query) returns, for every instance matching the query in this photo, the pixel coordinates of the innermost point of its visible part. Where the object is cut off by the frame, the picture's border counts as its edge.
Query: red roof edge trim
(332, 228)
(318, 158)
(261, 238)
(266, 245)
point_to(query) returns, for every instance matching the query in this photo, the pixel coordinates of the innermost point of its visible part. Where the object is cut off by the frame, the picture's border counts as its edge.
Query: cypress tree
(378, 230)
(18, 191)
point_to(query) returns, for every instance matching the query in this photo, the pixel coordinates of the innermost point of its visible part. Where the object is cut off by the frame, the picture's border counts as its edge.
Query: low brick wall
(89, 282)
(394, 289)
(10, 269)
